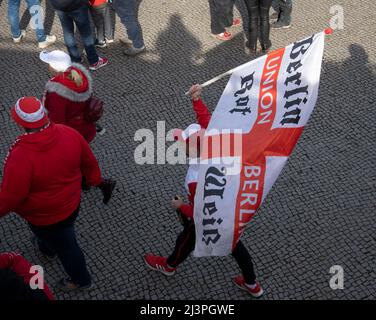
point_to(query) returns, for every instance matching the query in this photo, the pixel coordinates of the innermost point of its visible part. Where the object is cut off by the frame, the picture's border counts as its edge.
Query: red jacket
(203, 117)
(43, 173)
(18, 264)
(66, 102)
(97, 3)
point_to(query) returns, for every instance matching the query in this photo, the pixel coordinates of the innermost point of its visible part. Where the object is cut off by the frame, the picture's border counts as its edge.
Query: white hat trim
(30, 117)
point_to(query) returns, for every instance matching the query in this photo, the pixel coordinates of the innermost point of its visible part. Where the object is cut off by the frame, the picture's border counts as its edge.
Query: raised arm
(203, 115)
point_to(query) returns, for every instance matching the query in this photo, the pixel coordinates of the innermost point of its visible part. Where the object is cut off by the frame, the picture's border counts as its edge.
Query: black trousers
(222, 15)
(103, 23)
(60, 239)
(259, 26)
(185, 244)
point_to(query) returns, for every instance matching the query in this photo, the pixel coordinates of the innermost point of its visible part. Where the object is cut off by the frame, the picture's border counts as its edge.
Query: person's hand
(177, 202)
(195, 92)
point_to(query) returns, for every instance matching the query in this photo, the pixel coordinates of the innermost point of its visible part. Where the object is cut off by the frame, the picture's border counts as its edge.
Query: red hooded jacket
(66, 102)
(22, 267)
(43, 173)
(203, 117)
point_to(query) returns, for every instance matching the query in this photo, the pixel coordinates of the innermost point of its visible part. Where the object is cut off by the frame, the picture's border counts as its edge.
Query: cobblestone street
(320, 212)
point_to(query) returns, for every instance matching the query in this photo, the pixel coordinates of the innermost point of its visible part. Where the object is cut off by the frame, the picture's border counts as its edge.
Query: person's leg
(229, 18)
(126, 10)
(107, 21)
(98, 20)
(253, 17)
(265, 24)
(219, 16)
(244, 262)
(14, 17)
(62, 240)
(286, 10)
(36, 14)
(69, 39)
(185, 243)
(82, 21)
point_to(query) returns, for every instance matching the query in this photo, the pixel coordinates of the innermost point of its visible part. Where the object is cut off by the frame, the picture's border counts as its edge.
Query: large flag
(254, 128)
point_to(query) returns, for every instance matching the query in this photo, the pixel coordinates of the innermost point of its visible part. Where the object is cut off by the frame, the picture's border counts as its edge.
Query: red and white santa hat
(30, 113)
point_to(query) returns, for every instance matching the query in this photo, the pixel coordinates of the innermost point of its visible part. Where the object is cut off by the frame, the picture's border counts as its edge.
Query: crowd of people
(51, 162)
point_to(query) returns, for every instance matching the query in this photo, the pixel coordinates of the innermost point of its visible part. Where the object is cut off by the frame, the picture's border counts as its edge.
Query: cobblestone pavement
(320, 213)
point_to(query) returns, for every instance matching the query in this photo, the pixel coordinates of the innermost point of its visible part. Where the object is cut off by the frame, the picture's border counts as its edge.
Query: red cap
(29, 113)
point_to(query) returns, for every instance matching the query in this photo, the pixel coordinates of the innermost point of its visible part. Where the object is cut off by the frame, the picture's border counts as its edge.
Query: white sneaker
(19, 39)
(49, 40)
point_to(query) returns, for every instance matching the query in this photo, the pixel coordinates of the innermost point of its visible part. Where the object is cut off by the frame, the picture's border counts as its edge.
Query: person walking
(36, 20)
(222, 18)
(104, 28)
(259, 25)
(185, 242)
(68, 92)
(76, 12)
(283, 11)
(42, 183)
(127, 12)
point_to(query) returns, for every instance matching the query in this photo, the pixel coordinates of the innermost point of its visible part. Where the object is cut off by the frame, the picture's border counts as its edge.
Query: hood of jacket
(67, 89)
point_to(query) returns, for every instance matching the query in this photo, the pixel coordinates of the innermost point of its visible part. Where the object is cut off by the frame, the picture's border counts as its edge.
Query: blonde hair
(75, 77)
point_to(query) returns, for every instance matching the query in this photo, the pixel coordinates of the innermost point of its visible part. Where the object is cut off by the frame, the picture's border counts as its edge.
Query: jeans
(126, 10)
(60, 239)
(222, 15)
(284, 9)
(185, 244)
(14, 18)
(103, 23)
(80, 17)
(258, 12)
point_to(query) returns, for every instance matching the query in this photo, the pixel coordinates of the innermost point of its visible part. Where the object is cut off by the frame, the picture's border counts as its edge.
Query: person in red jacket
(185, 242)
(42, 183)
(15, 279)
(68, 92)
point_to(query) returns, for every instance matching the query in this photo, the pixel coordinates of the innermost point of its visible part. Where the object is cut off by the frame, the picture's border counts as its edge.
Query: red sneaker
(224, 36)
(158, 263)
(236, 23)
(255, 292)
(100, 63)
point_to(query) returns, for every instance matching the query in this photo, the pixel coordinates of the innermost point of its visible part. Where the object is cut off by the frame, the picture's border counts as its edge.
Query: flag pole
(328, 31)
(219, 77)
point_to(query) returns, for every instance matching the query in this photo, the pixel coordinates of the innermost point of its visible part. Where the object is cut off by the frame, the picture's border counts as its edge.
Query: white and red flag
(254, 128)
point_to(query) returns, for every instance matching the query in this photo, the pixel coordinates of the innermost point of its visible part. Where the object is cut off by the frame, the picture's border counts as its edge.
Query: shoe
(224, 36)
(67, 285)
(102, 44)
(158, 263)
(107, 187)
(109, 41)
(35, 242)
(256, 292)
(274, 16)
(49, 40)
(125, 41)
(19, 39)
(100, 130)
(265, 49)
(100, 63)
(133, 51)
(280, 25)
(236, 23)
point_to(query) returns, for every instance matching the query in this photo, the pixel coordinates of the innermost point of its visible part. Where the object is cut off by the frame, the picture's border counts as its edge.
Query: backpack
(93, 110)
